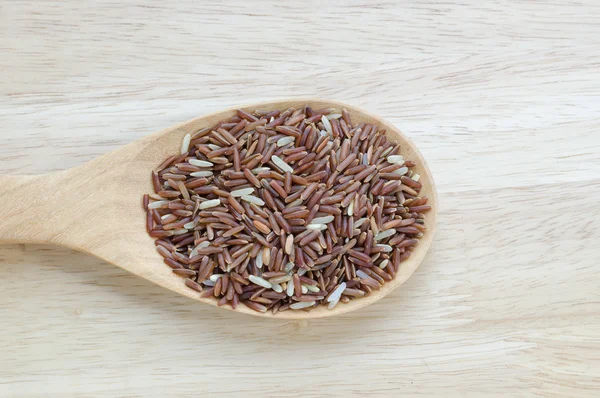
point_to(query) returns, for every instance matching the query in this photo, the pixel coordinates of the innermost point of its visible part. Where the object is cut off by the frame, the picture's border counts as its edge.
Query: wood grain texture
(502, 98)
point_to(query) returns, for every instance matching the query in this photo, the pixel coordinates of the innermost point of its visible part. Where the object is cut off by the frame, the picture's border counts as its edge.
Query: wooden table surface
(503, 99)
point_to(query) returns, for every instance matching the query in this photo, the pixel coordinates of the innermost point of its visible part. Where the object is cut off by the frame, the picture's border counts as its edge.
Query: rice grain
(185, 145)
(242, 192)
(281, 164)
(260, 281)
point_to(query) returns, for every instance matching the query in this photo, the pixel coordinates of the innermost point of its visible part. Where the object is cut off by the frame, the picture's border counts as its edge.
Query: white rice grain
(385, 153)
(304, 289)
(301, 271)
(204, 173)
(253, 199)
(320, 227)
(242, 192)
(214, 147)
(290, 289)
(302, 305)
(386, 248)
(362, 274)
(281, 164)
(259, 260)
(209, 203)
(332, 305)
(313, 288)
(322, 220)
(260, 281)
(260, 170)
(277, 287)
(208, 282)
(350, 209)
(334, 116)
(401, 171)
(358, 223)
(200, 163)
(385, 234)
(283, 141)
(326, 124)
(185, 145)
(337, 293)
(190, 225)
(215, 277)
(384, 263)
(416, 177)
(395, 159)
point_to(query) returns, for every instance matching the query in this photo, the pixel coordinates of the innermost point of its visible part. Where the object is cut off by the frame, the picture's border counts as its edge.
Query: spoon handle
(30, 209)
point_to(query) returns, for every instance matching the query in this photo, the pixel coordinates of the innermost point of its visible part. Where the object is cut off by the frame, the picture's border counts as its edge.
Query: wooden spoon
(96, 207)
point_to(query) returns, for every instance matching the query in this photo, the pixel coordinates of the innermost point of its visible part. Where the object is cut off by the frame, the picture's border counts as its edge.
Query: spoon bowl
(96, 208)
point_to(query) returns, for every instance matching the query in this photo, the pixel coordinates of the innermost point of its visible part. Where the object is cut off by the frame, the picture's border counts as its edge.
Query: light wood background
(503, 99)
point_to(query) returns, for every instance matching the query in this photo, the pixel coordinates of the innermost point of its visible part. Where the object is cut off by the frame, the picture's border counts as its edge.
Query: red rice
(302, 167)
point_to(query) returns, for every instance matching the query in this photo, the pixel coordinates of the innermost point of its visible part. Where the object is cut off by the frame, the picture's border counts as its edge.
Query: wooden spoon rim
(407, 267)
